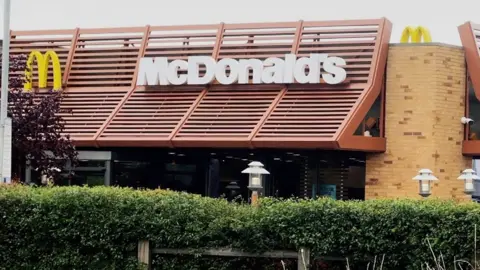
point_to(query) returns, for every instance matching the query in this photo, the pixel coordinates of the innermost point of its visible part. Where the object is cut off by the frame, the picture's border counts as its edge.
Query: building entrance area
(217, 172)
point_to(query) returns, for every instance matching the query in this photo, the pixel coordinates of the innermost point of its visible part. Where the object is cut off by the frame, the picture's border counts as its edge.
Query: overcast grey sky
(441, 17)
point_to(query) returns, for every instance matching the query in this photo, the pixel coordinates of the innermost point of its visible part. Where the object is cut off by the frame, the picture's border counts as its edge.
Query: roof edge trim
(472, 55)
(372, 91)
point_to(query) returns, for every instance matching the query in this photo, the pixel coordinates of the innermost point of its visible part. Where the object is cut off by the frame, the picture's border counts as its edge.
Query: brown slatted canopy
(100, 67)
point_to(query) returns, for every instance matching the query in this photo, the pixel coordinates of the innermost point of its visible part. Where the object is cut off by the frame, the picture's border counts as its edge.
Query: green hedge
(98, 228)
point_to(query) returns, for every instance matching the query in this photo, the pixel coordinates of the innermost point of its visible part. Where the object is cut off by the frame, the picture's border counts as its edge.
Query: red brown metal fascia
(470, 43)
(342, 139)
(346, 140)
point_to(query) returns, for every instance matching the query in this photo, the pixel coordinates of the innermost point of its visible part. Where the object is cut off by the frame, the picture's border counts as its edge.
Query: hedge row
(98, 228)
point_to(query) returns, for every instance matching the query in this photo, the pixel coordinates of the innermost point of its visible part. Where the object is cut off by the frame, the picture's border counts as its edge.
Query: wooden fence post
(303, 259)
(144, 254)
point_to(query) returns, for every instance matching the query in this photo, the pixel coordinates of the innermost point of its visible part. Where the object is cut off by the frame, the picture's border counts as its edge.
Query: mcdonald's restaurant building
(329, 107)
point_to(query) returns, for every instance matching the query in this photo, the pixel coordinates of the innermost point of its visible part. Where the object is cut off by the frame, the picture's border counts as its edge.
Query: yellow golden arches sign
(43, 61)
(415, 35)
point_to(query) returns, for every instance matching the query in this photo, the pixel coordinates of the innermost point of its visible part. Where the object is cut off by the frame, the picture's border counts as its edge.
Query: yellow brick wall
(425, 96)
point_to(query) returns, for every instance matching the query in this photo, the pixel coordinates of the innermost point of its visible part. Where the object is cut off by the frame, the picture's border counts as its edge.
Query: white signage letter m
(152, 71)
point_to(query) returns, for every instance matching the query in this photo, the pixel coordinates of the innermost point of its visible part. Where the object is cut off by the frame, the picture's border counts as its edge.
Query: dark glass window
(218, 172)
(371, 122)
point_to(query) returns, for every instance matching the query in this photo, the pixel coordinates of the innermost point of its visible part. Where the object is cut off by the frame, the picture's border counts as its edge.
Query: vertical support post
(314, 191)
(28, 172)
(303, 258)
(144, 254)
(108, 172)
(466, 135)
(254, 198)
(141, 53)
(265, 116)
(218, 41)
(4, 86)
(298, 37)
(71, 54)
(382, 108)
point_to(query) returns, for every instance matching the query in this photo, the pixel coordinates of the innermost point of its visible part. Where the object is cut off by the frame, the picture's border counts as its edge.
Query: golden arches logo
(415, 35)
(43, 61)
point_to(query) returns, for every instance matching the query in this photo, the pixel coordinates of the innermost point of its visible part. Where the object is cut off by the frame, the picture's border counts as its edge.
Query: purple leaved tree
(37, 127)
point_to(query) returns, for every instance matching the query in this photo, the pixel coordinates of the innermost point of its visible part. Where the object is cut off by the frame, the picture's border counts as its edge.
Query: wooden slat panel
(228, 112)
(114, 51)
(352, 43)
(87, 111)
(151, 113)
(24, 42)
(105, 57)
(308, 112)
(181, 42)
(257, 40)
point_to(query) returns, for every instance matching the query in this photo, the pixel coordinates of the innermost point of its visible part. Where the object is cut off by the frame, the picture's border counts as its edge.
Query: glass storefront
(93, 169)
(217, 172)
(88, 172)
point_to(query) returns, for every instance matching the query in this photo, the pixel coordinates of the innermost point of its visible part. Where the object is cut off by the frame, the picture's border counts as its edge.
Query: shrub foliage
(98, 228)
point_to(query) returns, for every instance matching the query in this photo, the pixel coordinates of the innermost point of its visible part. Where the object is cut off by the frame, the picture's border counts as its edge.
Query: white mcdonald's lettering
(158, 71)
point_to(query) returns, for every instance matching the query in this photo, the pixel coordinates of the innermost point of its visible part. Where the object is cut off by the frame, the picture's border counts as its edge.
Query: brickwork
(425, 99)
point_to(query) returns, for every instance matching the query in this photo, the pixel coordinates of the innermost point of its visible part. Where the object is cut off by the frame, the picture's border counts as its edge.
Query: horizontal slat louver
(244, 41)
(309, 113)
(151, 114)
(180, 42)
(354, 43)
(60, 41)
(228, 113)
(476, 32)
(98, 61)
(85, 112)
(105, 57)
(317, 113)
